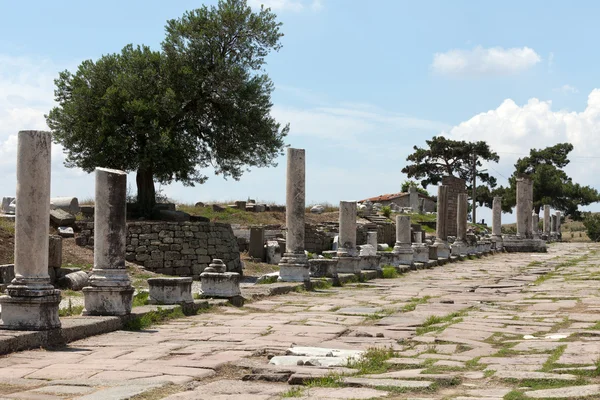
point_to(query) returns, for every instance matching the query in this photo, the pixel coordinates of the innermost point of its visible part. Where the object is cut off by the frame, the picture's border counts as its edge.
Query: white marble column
(547, 222)
(441, 240)
(459, 247)
(347, 237)
(497, 222)
(32, 302)
(293, 267)
(109, 291)
(403, 248)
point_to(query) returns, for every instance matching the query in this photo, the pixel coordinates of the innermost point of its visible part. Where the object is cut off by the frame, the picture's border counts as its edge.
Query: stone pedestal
(170, 290)
(497, 223)
(323, 268)
(370, 263)
(32, 302)
(403, 248)
(215, 282)
(348, 265)
(110, 291)
(441, 240)
(420, 253)
(459, 247)
(293, 267)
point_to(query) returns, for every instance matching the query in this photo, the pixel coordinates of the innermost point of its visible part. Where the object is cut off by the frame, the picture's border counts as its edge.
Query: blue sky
(359, 82)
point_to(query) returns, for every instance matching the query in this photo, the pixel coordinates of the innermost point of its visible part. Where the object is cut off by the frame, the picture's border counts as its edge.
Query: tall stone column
(459, 247)
(441, 241)
(403, 249)
(558, 222)
(553, 225)
(535, 221)
(293, 267)
(497, 222)
(109, 291)
(524, 207)
(348, 261)
(547, 222)
(32, 302)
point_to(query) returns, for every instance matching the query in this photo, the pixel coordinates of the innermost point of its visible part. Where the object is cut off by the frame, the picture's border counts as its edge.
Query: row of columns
(32, 302)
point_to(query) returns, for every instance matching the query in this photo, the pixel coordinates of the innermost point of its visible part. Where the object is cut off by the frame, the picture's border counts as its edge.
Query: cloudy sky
(359, 82)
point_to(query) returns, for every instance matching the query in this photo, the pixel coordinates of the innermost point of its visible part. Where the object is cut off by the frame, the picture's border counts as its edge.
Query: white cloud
(288, 5)
(484, 61)
(512, 130)
(566, 89)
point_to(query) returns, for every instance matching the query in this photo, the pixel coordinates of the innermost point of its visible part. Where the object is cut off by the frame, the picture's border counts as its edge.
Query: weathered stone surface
(569, 392)
(170, 290)
(61, 218)
(395, 383)
(220, 284)
(74, 280)
(347, 240)
(68, 204)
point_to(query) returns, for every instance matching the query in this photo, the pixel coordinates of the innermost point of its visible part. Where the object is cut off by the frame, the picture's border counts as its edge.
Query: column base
(30, 313)
(404, 253)
(459, 249)
(222, 285)
(348, 265)
(294, 267)
(420, 253)
(443, 249)
(107, 300)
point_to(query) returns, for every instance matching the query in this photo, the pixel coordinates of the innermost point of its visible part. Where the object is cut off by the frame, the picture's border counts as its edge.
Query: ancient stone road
(512, 326)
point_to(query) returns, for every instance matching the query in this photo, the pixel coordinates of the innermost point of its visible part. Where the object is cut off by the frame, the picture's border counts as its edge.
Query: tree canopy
(203, 101)
(551, 184)
(410, 183)
(452, 157)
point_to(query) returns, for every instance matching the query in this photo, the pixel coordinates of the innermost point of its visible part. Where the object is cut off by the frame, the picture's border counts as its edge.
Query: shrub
(386, 211)
(592, 226)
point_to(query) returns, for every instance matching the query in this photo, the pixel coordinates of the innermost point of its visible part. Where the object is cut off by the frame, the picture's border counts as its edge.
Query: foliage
(140, 299)
(444, 156)
(389, 272)
(410, 183)
(592, 226)
(154, 317)
(386, 211)
(372, 361)
(203, 101)
(551, 185)
(70, 310)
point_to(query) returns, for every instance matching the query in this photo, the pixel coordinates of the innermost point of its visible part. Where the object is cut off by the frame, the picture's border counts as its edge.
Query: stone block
(74, 281)
(7, 273)
(223, 285)
(170, 290)
(61, 218)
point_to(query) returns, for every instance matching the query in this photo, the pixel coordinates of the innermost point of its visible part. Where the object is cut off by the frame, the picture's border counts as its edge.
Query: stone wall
(316, 240)
(174, 248)
(455, 186)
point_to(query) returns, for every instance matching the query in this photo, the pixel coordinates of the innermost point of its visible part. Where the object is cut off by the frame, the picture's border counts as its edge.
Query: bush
(592, 226)
(386, 211)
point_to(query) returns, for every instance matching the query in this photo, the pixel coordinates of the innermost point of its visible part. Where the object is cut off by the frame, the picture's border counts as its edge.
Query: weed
(140, 299)
(372, 361)
(267, 280)
(70, 310)
(153, 317)
(389, 272)
(414, 302)
(328, 381)
(296, 391)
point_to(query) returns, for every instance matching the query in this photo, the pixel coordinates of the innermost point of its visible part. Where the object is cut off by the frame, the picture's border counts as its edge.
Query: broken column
(347, 253)
(497, 222)
(553, 226)
(293, 267)
(256, 246)
(215, 282)
(558, 222)
(459, 247)
(535, 222)
(547, 222)
(524, 207)
(32, 302)
(109, 291)
(413, 198)
(441, 241)
(403, 248)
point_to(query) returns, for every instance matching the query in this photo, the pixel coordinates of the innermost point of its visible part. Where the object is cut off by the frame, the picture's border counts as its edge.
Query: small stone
(379, 334)
(299, 362)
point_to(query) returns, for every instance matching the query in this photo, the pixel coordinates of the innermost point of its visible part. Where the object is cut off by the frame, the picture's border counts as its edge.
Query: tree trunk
(146, 195)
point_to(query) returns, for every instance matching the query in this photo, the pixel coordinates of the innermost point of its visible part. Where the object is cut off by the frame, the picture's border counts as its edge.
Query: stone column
(372, 239)
(459, 247)
(547, 222)
(558, 222)
(32, 302)
(293, 267)
(441, 241)
(535, 221)
(413, 198)
(403, 248)
(347, 253)
(256, 245)
(524, 207)
(110, 291)
(497, 222)
(553, 225)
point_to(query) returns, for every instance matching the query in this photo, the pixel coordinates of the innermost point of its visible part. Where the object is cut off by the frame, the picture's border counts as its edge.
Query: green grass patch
(414, 302)
(372, 361)
(389, 272)
(328, 381)
(437, 324)
(71, 293)
(141, 299)
(70, 310)
(7, 226)
(551, 361)
(267, 280)
(154, 317)
(321, 284)
(296, 391)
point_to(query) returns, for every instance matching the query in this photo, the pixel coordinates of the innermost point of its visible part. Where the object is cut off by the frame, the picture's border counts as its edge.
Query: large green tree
(444, 156)
(551, 184)
(203, 101)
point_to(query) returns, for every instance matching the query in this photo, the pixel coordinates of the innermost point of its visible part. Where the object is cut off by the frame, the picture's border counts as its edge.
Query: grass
(233, 215)
(389, 272)
(549, 365)
(70, 310)
(140, 299)
(328, 381)
(71, 293)
(437, 324)
(154, 317)
(7, 226)
(372, 361)
(414, 302)
(267, 280)
(296, 391)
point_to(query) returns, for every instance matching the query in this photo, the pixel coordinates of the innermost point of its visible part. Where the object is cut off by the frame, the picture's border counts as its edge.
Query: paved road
(514, 325)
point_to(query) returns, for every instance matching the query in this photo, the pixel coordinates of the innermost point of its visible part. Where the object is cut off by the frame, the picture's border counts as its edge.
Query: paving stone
(344, 393)
(570, 392)
(533, 375)
(396, 383)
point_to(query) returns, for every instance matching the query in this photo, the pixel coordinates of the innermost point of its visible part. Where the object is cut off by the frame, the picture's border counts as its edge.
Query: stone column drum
(497, 222)
(347, 253)
(441, 241)
(32, 302)
(403, 248)
(547, 222)
(459, 247)
(109, 291)
(293, 267)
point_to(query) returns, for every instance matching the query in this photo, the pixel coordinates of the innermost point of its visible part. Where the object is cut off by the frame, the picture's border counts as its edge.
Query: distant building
(403, 200)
